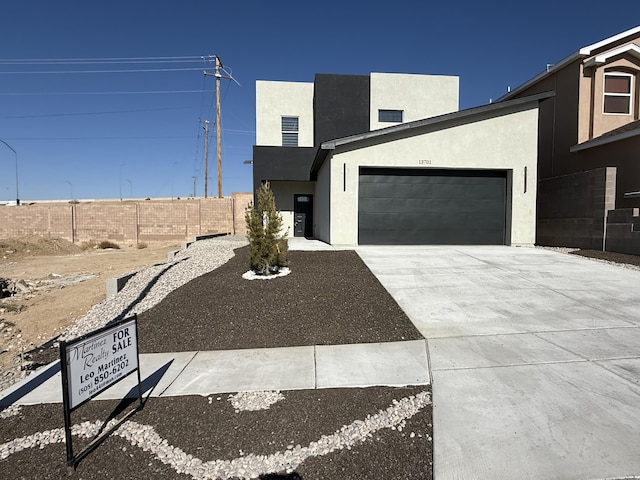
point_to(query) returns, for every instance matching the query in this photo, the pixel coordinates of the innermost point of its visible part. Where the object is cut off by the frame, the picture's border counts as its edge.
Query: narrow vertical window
(618, 88)
(290, 131)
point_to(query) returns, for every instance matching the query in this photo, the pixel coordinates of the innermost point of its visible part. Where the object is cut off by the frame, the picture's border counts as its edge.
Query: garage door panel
(433, 179)
(411, 206)
(398, 205)
(430, 191)
(427, 221)
(440, 236)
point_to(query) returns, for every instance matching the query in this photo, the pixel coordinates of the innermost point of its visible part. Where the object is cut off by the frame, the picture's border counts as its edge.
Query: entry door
(302, 215)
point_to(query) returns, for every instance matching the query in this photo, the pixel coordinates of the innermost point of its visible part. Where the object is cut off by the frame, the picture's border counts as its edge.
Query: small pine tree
(267, 248)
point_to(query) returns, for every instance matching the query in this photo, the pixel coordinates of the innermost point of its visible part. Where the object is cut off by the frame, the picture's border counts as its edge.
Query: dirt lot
(60, 282)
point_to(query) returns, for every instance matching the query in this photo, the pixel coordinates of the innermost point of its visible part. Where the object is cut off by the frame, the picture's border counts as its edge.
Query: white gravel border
(251, 275)
(567, 250)
(246, 466)
(150, 286)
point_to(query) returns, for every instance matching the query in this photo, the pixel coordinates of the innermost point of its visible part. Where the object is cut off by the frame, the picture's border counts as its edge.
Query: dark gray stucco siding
(281, 163)
(340, 105)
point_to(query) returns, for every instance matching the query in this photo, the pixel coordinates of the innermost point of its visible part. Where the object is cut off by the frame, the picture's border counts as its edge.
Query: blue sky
(76, 134)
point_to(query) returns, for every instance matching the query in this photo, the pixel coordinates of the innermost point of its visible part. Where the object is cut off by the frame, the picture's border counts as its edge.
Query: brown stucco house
(589, 146)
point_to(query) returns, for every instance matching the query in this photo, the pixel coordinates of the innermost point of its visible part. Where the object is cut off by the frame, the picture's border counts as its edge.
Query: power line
(24, 94)
(102, 138)
(79, 114)
(75, 61)
(142, 70)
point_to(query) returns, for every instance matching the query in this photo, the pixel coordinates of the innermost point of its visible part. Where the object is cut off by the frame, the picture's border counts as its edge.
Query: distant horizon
(123, 199)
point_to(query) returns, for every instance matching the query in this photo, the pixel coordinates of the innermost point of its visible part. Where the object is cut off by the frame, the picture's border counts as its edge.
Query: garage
(404, 206)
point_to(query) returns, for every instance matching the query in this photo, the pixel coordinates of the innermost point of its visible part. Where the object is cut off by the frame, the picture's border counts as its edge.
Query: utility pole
(218, 76)
(194, 186)
(218, 125)
(206, 158)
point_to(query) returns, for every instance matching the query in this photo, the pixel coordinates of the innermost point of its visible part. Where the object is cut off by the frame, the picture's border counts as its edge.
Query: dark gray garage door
(431, 207)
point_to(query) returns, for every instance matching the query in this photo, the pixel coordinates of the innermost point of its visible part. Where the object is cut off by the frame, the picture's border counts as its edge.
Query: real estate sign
(96, 361)
(92, 363)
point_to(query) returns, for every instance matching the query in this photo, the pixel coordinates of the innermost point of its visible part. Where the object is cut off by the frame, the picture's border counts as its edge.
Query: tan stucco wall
(418, 96)
(593, 122)
(277, 99)
(506, 142)
(603, 122)
(283, 193)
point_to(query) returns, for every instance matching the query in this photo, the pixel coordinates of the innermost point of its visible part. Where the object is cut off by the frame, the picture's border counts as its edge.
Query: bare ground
(63, 282)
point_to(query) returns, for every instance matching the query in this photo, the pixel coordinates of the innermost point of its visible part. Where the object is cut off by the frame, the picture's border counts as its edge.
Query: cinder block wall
(57, 219)
(572, 209)
(240, 202)
(115, 221)
(127, 221)
(623, 231)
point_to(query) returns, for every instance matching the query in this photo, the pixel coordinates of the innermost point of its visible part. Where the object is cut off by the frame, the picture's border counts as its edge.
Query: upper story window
(618, 88)
(290, 131)
(391, 116)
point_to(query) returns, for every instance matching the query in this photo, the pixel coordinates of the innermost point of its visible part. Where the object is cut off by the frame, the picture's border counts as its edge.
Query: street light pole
(16, 154)
(120, 180)
(71, 186)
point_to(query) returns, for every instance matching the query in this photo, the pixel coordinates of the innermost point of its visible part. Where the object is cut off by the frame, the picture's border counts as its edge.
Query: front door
(302, 215)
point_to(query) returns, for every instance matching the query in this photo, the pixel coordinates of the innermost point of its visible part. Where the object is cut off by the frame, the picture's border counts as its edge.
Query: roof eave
(332, 144)
(603, 43)
(582, 53)
(596, 142)
(532, 81)
(326, 147)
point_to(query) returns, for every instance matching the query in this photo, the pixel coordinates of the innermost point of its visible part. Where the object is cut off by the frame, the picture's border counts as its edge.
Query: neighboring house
(589, 146)
(389, 159)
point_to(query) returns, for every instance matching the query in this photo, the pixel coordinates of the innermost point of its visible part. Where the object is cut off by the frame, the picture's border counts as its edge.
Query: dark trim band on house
(469, 113)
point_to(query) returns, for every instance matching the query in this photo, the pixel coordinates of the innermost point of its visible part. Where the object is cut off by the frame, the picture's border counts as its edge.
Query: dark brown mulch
(213, 430)
(609, 256)
(331, 297)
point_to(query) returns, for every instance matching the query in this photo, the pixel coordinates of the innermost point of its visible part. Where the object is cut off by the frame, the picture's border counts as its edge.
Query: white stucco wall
(506, 142)
(418, 96)
(275, 100)
(283, 193)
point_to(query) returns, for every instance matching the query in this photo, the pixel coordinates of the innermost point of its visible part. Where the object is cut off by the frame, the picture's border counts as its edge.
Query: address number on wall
(424, 162)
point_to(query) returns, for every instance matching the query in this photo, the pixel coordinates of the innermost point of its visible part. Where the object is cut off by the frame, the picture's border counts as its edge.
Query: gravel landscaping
(199, 302)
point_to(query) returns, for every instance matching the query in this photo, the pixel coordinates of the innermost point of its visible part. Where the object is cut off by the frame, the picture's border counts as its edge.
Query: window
(617, 93)
(289, 131)
(394, 116)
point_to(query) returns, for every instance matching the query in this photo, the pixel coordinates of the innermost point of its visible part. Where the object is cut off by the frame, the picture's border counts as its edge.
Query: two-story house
(389, 159)
(589, 146)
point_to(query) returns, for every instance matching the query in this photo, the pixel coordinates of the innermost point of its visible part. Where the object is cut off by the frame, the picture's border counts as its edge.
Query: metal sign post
(92, 363)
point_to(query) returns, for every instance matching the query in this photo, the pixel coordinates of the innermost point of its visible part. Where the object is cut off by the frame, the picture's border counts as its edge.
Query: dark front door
(302, 215)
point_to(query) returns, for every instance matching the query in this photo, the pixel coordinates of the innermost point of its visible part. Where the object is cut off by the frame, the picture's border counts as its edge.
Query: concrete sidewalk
(535, 359)
(223, 371)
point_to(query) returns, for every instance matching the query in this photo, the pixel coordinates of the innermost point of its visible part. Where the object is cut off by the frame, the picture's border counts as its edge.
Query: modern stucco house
(589, 146)
(389, 159)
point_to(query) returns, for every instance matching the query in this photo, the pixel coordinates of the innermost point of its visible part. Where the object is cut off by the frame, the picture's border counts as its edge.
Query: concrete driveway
(535, 357)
